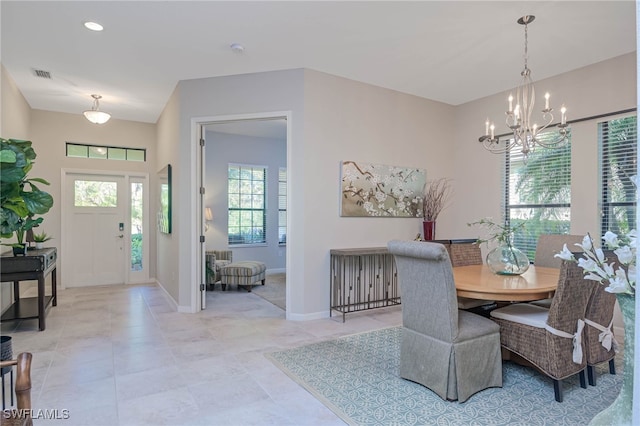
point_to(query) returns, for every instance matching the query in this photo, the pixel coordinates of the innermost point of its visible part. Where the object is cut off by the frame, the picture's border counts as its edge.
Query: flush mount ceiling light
(237, 48)
(94, 115)
(93, 26)
(526, 134)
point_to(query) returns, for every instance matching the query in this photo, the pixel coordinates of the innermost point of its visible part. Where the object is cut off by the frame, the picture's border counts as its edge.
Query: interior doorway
(249, 143)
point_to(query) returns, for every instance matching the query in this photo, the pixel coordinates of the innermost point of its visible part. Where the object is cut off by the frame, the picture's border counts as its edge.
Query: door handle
(121, 236)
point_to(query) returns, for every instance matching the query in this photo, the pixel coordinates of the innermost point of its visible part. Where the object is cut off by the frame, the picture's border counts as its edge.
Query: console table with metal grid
(362, 278)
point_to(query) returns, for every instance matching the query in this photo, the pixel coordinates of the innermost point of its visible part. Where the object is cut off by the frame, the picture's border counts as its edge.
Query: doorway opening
(248, 215)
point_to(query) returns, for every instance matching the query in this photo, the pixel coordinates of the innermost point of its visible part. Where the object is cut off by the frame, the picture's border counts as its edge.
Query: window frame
(605, 175)
(253, 242)
(526, 239)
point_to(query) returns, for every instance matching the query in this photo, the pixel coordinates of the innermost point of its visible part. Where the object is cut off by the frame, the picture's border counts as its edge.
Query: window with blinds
(247, 205)
(282, 206)
(538, 192)
(618, 165)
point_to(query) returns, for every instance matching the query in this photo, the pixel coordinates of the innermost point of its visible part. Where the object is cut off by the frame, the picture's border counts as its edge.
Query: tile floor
(120, 355)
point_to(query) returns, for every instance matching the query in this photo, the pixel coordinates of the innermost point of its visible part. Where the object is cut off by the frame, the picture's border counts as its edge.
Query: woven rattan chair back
(570, 300)
(551, 244)
(464, 253)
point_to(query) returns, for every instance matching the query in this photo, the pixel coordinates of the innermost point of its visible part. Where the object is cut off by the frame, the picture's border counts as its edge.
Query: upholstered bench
(245, 273)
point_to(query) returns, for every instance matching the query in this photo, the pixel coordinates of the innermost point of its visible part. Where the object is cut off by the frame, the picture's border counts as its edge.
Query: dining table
(479, 282)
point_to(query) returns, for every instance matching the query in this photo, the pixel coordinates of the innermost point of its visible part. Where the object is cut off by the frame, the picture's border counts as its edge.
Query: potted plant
(505, 259)
(40, 239)
(436, 195)
(20, 198)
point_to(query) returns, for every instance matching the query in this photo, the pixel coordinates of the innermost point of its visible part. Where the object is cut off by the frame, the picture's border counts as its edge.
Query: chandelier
(526, 134)
(94, 115)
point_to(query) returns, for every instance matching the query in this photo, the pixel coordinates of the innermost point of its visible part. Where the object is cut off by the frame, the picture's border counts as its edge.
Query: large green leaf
(11, 174)
(18, 206)
(38, 202)
(7, 156)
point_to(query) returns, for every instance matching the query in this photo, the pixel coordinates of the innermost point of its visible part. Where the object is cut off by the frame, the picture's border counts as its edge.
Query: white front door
(98, 247)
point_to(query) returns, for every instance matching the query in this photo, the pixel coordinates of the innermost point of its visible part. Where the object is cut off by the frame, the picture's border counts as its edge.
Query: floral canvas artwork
(380, 190)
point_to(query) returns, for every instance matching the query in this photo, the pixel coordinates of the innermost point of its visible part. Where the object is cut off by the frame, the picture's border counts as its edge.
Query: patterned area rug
(357, 378)
(274, 289)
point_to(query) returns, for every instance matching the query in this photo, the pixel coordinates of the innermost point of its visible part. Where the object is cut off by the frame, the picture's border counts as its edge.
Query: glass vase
(619, 413)
(507, 260)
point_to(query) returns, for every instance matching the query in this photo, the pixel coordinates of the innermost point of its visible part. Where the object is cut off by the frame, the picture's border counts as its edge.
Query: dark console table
(36, 265)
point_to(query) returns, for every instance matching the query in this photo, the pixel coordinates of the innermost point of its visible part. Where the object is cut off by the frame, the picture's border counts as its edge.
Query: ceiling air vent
(42, 74)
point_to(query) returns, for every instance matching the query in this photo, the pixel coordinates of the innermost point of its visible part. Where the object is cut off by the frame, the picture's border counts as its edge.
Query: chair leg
(591, 375)
(583, 379)
(557, 389)
(612, 367)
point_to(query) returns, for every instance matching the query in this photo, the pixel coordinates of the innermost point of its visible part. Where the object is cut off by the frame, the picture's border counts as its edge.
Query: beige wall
(349, 120)
(168, 152)
(14, 110)
(15, 116)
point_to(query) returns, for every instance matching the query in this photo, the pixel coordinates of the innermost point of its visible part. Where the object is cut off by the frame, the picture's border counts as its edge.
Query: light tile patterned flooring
(120, 355)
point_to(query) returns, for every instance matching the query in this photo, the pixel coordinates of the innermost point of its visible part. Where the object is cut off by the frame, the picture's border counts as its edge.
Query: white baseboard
(172, 301)
(307, 317)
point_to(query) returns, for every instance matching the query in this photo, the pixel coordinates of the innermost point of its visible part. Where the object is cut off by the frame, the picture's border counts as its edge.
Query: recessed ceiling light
(93, 26)
(237, 47)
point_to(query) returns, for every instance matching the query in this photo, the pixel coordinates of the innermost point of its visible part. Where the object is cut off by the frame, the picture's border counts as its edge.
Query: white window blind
(538, 192)
(618, 162)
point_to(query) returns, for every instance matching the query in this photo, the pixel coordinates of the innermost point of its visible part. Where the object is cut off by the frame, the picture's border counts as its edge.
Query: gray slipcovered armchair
(216, 259)
(452, 352)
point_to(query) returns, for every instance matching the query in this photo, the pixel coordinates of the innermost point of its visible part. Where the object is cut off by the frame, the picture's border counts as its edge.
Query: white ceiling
(449, 51)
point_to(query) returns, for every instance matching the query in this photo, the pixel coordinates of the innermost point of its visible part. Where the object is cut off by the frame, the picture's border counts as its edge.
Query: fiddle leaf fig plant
(20, 198)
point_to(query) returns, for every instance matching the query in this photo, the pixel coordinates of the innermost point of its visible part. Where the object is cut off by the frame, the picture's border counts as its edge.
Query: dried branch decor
(436, 195)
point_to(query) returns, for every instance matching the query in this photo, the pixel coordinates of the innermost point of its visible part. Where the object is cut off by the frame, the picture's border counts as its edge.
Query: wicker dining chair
(22, 389)
(600, 342)
(545, 337)
(547, 247)
(463, 253)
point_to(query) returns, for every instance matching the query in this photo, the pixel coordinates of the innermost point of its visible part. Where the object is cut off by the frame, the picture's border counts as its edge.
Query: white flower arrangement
(595, 266)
